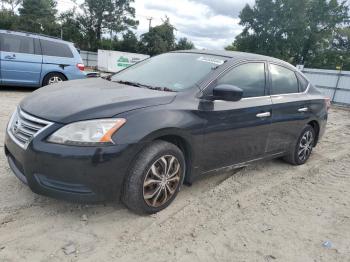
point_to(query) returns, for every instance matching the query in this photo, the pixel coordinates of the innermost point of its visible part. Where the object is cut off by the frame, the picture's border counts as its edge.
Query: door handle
(303, 109)
(10, 57)
(261, 115)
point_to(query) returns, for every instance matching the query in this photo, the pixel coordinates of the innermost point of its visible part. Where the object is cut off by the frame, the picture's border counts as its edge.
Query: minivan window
(249, 77)
(284, 80)
(51, 48)
(16, 44)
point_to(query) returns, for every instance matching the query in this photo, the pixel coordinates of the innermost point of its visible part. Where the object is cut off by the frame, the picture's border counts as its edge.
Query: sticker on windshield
(211, 60)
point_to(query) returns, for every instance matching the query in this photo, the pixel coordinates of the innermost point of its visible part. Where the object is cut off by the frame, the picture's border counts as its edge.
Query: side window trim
(299, 77)
(37, 46)
(212, 84)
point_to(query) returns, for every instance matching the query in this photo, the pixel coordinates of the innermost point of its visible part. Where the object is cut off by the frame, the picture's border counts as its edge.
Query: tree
(294, 30)
(159, 39)
(106, 17)
(71, 28)
(184, 44)
(12, 3)
(231, 47)
(129, 43)
(39, 16)
(8, 20)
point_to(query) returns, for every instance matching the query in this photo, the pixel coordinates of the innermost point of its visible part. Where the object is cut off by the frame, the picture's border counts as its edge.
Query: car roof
(238, 56)
(35, 35)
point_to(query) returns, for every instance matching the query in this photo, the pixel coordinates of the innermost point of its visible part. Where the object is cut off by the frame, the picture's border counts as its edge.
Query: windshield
(171, 71)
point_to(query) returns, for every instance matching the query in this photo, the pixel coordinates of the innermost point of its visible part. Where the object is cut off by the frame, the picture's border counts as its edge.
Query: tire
(53, 78)
(302, 148)
(147, 178)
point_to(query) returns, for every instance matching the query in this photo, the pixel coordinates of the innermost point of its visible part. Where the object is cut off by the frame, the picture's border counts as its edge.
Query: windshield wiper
(166, 89)
(130, 83)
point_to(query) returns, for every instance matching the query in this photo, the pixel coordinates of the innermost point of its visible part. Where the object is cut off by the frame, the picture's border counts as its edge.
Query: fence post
(337, 85)
(87, 58)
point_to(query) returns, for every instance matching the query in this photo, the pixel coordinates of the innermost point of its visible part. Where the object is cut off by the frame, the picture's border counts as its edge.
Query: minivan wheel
(53, 78)
(303, 147)
(155, 178)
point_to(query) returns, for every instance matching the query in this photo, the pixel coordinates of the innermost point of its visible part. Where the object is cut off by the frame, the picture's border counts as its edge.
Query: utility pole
(150, 23)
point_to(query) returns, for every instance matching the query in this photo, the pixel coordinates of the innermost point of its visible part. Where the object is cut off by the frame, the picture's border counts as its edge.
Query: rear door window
(51, 48)
(284, 81)
(249, 77)
(16, 44)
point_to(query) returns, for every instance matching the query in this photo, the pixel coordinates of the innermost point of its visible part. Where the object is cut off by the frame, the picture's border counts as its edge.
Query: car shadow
(17, 88)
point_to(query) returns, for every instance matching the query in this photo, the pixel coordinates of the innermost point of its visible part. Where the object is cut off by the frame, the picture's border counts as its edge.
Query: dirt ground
(267, 212)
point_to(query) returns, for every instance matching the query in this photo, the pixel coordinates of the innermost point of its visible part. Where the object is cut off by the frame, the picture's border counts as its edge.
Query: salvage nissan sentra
(162, 123)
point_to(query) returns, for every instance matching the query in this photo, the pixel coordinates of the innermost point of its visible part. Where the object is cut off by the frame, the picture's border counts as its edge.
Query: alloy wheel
(305, 146)
(55, 80)
(162, 181)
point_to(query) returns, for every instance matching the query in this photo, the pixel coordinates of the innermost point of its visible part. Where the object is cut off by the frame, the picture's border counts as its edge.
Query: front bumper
(82, 174)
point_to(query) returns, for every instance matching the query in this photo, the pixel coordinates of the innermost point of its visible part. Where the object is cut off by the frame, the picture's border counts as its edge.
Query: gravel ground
(266, 212)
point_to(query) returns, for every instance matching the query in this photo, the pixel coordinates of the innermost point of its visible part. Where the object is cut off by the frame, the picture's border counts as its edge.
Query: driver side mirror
(227, 93)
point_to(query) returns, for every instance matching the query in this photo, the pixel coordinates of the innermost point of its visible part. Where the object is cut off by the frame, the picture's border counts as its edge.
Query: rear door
(290, 107)
(21, 60)
(238, 131)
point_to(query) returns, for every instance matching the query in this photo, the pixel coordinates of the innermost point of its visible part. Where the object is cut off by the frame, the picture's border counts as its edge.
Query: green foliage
(184, 44)
(298, 31)
(8, 20)
(71, 28)
(13, 4)
(159, 39)
(129, 43)
(39, 16)
(106, 17)
(90, 28)
(231, 47)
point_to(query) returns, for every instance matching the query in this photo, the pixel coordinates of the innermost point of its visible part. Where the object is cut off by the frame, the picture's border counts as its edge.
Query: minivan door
(21, 60)
(237, 132)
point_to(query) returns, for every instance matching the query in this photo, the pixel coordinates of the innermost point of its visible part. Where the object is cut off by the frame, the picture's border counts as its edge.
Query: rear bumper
(79, 174)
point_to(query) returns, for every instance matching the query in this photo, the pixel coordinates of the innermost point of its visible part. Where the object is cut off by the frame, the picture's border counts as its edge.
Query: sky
(209, 24)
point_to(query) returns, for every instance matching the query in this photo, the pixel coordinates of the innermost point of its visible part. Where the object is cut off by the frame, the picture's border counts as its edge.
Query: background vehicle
(34, 60)
(162, 122)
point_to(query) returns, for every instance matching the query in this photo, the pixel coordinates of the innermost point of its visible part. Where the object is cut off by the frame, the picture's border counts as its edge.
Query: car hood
(90, 99)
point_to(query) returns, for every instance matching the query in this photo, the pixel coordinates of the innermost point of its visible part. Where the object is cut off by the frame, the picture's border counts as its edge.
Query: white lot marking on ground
(267, 212)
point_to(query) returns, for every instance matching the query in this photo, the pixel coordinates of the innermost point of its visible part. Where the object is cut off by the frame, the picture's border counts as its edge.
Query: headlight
(87, 132)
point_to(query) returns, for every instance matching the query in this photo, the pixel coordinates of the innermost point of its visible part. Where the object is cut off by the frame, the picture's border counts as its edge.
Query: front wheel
(155, 178)
(302, 149)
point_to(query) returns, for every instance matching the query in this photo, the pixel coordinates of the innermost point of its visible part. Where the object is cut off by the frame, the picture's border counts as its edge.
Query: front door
(20, 65)
(237, 132)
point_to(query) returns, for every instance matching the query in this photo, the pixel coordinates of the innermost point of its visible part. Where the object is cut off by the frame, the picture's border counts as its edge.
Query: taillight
(327, 100)
(81, 67)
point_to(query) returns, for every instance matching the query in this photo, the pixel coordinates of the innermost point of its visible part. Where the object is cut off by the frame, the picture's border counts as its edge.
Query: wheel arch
(184, 145)
(316, 126)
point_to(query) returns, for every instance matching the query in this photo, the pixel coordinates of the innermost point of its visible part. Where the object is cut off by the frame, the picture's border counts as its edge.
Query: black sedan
(161, 123)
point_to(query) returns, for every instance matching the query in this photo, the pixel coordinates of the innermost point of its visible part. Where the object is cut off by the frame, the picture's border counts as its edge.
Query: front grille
(23, 127)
